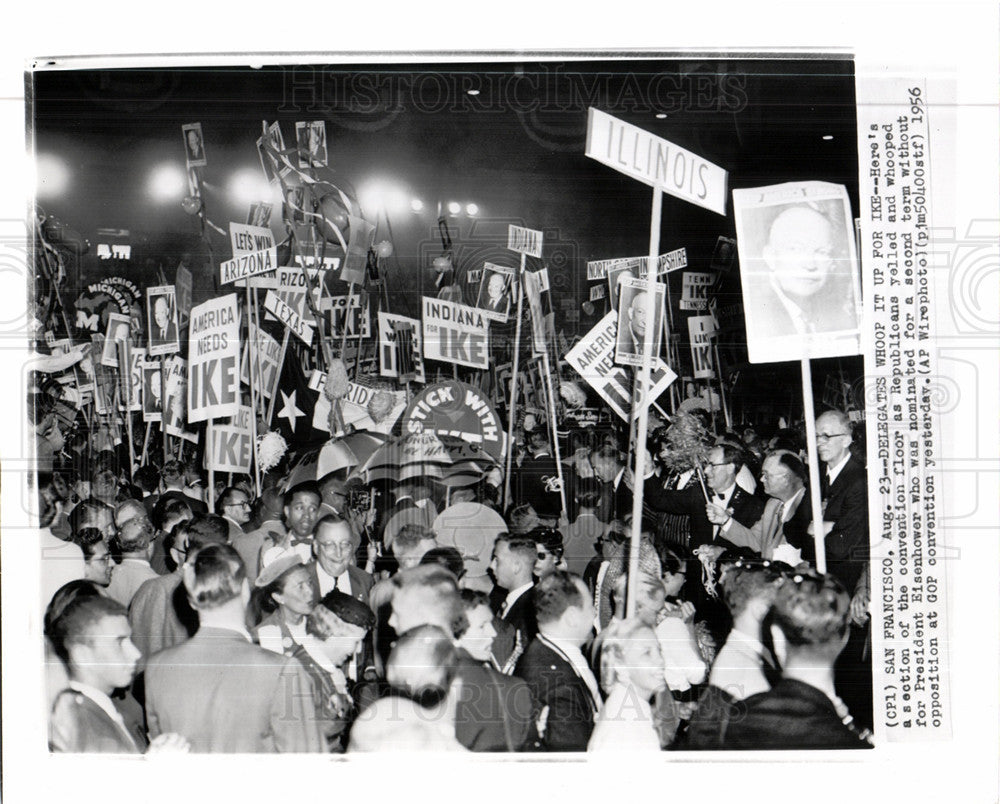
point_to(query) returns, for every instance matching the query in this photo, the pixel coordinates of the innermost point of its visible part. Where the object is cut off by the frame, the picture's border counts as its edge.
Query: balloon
(330, 208)
(191, 205)
(442, 264)
(588, 307)
(384, 249)
(451, 293)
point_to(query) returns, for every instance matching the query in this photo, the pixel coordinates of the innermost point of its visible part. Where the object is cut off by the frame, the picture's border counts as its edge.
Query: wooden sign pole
(252, 358)
(552, 427)
(511, 408)
(639, 395)
(819, 535)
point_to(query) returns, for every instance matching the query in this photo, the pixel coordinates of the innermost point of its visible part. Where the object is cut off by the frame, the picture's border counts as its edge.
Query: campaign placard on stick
(266, 369)
(213, 357)
(310, 140)
(702, 329)
(161, 316)
(456, 409)
(292, 286)
(799, 271)
(537, 292)
(296, 324)
(259, 213)
(694, 290)
(152, 391)
(175, 400)
(665, 263)
(593, 358)
(349, 312)
(495, 291)
(655, 161)
(116, 332)
(632, 321)
(389, 346)
(137, 357)
(231, 449)
(455, 333)
(360, 238)
(524, 241)
(194, 145)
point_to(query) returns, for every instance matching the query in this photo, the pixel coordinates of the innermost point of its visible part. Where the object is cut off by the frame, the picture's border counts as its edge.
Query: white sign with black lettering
(655, 161)
(524, 241)
(348, 311)
(300, 328)
(694, 290)
(455, 333)
(213, 352)
(231, 449)
(701, 329)
(388, 324)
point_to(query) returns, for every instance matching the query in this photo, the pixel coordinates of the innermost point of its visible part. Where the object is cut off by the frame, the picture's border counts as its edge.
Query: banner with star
(293, 409)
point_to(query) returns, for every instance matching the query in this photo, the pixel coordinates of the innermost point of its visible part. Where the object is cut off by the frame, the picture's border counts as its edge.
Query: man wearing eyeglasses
(235, 507)
(724, 461)
(844, 490)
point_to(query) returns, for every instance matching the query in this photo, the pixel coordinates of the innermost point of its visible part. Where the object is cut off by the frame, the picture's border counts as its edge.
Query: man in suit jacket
(333, 568)
(616, 496)
(160, 613)
(563, 688)
(219, 690)
(783, 477)
(91, 636)
(235, 506)
(172, 477)
(249, 545)
(494, 710)
(536, 481)
(844, 489)
(512, 564)
(724, 461)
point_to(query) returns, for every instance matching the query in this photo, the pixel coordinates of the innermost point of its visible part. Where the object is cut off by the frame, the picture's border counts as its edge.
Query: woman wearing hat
(284, 595)
(334, 631)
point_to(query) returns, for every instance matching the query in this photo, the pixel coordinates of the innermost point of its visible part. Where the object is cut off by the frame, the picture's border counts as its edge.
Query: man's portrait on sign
(161, 312)
(194, 145)
(799, 271)
(494, 292)
(632, 321)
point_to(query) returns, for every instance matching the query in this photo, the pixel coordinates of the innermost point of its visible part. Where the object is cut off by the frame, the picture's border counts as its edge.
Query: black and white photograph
(194, 145)
(310, 138)
(633, 318)
(495, 290)
(799, 269)
(161, 314)
(152, 391)
(740, 571)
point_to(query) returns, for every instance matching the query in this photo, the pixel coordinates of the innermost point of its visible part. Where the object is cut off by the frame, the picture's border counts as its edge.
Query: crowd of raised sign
(336, 615)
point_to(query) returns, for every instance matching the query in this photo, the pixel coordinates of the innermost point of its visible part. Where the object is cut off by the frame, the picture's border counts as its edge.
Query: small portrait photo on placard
(310, 139)
(161, 313)
(632, 321)
(495, 291)
(799, 270)
(117, 331)
(194, 145)
(616, 276)
(152, 391)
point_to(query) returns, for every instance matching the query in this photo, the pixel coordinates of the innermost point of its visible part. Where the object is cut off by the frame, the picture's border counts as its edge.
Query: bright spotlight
(416, 205)
(384, 196)
(249, 187)
(53, 176)
(454, 207)
(472, 209)
(168, 182)
(661, 116)
(472, 92)
(828, 136)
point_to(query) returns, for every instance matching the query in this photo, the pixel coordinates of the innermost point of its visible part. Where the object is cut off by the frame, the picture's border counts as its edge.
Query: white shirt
(833, 471)
(572, 655)
(598, 584)
(625, 723)
(513, 595)
(327, 583)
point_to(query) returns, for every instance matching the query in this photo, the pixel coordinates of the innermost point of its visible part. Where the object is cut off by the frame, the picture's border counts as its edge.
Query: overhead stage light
(168, 182)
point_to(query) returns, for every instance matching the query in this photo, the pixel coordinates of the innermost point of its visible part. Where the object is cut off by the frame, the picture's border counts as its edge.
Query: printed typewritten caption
(909, 559)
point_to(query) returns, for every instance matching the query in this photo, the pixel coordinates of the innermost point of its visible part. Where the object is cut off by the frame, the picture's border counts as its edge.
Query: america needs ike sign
(214, 359)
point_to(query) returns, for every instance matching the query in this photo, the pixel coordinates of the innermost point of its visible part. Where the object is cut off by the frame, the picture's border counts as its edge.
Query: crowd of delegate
(337, 616)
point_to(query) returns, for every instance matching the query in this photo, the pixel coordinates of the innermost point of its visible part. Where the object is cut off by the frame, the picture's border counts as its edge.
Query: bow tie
(296, 542)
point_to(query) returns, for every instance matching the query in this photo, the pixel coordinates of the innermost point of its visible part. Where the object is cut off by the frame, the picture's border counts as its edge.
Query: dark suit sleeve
(667, 502)
(848, 539)
(569, 721)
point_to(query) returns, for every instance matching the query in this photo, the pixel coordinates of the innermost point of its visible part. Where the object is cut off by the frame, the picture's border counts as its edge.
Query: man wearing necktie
(563, 688)
(301, 510)
(783, 477)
